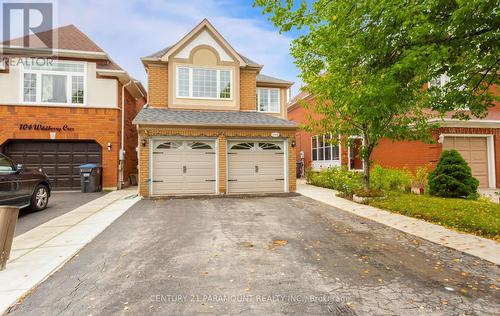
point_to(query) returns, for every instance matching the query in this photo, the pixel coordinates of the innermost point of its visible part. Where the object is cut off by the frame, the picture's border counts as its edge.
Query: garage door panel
(168, 166)
(474, 151)
(241, 167)
(59, 159)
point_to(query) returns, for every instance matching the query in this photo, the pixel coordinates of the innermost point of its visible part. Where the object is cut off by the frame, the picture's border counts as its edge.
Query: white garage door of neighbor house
(184, 167)
(475, 152)
(256, 167)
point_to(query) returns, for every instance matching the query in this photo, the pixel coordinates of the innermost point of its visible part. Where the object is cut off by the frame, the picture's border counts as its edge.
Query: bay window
(323, 149)
(203, 83)
(268, 100)
(54, 83)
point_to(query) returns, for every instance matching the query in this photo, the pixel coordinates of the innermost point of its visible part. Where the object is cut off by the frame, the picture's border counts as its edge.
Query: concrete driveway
(59, 203)
(262, 256)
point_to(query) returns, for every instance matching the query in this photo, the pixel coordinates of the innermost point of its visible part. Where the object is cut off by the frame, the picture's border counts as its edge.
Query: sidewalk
(41, 251)
(477, 246)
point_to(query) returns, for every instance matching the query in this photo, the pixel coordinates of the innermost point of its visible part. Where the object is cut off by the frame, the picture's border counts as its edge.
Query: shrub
(452, 177)
(421, 177)
(339, 179)
(369, 194)
(390, 179)
(309, 174)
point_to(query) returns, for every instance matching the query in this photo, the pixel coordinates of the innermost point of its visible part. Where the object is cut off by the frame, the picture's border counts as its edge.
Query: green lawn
(477, 217)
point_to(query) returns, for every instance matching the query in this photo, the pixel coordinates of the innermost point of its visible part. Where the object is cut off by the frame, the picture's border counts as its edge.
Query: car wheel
(40, 198)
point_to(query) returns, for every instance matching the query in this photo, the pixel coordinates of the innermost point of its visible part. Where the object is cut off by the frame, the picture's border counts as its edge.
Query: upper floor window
(203, 83)
(323, 149)
(439, 82)
(268, 100)
(54, 83)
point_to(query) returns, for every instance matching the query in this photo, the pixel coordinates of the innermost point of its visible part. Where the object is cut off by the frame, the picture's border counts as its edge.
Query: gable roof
(158, 116)
(67, 37)
(164, 53)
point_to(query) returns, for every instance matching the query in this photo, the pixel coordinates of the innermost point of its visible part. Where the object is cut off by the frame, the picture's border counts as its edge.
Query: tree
(368, 61)
(452, 177)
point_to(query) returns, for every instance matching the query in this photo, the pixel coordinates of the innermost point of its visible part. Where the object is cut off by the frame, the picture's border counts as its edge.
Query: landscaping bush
(339, 179)
(389, 179)
(452, 177)
(420, 179)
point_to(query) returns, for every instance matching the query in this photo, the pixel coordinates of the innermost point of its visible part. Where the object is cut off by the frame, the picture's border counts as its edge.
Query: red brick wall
(93, 124)
(132, 107)
(99, 125)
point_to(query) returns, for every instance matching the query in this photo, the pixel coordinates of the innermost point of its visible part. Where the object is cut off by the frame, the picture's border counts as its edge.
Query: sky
(130, 29)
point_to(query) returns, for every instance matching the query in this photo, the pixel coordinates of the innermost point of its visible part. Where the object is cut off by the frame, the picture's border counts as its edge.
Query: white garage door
(183, 167)
(475, 152)
(256, 167)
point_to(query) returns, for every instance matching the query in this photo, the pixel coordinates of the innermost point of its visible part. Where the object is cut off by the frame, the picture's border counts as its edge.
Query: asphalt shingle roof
(209, 118)
(269, 79)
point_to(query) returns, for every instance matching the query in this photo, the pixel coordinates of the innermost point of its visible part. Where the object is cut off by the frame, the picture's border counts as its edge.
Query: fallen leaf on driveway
(277, 243)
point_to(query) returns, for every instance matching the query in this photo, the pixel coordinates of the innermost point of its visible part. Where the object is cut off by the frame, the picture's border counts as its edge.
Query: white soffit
(204, 38)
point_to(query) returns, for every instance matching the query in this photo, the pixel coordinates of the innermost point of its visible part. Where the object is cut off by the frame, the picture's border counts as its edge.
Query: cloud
(131, 29)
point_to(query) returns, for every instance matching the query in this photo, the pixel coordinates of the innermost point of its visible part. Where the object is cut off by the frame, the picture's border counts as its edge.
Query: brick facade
(157, 85)
(91, 124)
(248, 92)
(145, 134)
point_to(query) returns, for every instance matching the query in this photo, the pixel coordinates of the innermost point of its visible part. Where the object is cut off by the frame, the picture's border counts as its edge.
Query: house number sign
(43, 127)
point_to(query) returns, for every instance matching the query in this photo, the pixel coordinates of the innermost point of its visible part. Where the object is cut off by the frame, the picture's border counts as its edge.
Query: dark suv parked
(23, 187)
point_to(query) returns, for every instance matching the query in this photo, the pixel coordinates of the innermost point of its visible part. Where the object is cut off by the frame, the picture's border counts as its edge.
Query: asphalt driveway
(262, 256)
(59, 203)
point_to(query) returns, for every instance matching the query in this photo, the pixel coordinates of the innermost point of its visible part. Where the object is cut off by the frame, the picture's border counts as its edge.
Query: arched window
(199, 145)
(269, 146)
(169, 145)
(243, 146)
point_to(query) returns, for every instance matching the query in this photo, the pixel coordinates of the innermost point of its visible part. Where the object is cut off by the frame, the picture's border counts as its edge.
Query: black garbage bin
(299, 169)
(90, 177)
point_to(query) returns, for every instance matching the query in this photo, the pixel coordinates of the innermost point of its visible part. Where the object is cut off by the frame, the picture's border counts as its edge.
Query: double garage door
(60, 160)
(191, 167)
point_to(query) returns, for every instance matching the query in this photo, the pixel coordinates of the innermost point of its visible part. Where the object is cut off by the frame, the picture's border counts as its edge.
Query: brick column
(222, 164)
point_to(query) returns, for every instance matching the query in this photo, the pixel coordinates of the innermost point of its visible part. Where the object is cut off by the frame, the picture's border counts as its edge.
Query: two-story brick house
(67, 105)
(213, 124)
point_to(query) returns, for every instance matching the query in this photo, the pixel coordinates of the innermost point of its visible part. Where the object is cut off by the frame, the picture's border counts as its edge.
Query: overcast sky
(130, 29)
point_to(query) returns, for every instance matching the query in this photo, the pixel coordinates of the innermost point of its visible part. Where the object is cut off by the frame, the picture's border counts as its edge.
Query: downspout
(121, 154)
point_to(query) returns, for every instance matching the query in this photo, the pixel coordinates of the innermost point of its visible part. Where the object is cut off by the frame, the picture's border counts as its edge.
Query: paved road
(262, 256)
(59, 203)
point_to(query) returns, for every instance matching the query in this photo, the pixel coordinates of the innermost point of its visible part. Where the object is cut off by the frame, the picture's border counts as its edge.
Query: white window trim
(331, 150)
(269, 99)
(69, 85)
(191, 83)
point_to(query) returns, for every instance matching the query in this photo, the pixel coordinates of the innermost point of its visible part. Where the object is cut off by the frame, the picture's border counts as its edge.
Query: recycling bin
(91, 177)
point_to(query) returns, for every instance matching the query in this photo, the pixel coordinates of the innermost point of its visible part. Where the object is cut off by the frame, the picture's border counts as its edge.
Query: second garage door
(184, 167)
(475, 152)
(256, 167)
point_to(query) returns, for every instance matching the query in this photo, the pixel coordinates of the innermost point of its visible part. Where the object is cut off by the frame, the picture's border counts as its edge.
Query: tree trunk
(366, 171)
(367, 153)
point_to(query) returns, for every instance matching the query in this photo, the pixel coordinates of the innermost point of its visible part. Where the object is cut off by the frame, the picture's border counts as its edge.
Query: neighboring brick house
(477, 140)
(213, 124)
(69, 107)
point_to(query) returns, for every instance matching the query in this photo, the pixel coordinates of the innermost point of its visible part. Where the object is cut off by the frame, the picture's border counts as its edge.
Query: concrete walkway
(41, 251)
(480, 247)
